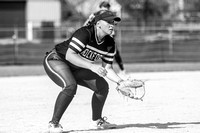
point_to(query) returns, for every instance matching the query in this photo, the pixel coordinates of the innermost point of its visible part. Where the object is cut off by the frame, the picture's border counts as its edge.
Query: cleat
(103, 124)
(54, 127)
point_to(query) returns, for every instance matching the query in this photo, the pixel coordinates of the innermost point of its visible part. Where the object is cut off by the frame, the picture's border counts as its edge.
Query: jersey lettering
(90, 55)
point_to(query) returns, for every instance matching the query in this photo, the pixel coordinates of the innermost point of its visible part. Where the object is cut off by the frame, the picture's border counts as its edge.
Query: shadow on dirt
(158, 125)
(169, 125)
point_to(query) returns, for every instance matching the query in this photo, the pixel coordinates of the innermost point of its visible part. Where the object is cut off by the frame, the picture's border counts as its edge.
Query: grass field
(171, 103)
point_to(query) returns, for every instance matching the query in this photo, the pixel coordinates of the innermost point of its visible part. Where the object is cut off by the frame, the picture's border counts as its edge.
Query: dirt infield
(171, 105)
(28, 70)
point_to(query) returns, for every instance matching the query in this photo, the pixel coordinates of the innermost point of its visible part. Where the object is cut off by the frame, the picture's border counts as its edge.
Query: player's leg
(96, 83)
(60, 73)
(100, 87)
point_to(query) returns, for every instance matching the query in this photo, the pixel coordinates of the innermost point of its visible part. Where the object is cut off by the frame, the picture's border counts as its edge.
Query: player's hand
(99, 70)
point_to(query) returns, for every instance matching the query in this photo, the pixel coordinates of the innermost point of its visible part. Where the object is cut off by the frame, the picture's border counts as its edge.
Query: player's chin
(110, 32)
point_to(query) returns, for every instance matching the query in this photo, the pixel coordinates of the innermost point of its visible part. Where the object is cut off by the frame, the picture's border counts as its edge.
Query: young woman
(104, 5)
(72, 63)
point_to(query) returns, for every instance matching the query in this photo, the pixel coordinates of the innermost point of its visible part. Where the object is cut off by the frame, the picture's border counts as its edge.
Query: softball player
(106, 6)
(72, 63)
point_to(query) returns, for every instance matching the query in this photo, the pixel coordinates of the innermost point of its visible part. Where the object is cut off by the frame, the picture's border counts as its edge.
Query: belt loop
(51, 51)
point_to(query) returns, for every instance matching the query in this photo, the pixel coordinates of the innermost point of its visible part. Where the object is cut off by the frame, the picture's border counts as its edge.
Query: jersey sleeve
(79, 40)
(109, 58)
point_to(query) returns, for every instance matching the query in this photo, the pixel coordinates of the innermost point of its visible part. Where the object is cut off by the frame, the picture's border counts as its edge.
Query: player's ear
(98, 24)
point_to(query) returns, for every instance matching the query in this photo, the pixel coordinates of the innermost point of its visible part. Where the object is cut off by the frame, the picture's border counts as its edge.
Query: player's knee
(70, 90)
(103, 87)
(103, 91)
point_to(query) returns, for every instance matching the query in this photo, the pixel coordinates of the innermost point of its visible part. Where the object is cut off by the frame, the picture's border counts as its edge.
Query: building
(27, 14)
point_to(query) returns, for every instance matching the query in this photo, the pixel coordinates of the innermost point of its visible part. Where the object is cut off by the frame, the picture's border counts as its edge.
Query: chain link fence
(136, 44)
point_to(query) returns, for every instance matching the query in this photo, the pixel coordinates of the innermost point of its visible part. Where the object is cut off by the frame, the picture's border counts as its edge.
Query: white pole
(30, 31)
(181, 7)
(170, 40)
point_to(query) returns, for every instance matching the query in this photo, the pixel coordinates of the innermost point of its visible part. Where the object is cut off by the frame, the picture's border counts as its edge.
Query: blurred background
(151, 31)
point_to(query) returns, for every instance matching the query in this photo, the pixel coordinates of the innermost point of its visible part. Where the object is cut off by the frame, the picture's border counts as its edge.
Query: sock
(97, 105)
(61, 105)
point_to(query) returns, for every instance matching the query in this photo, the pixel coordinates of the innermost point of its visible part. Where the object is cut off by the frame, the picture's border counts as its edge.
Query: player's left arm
(111, 74)
(107, 61)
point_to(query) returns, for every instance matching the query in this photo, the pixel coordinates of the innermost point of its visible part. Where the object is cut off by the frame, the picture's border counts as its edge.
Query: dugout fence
(136, 44)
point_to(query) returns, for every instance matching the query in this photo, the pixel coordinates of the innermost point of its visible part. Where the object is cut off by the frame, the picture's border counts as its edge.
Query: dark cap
(107, 16)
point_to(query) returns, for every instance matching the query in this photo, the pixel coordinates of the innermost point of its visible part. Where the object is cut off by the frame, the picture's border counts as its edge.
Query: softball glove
(134, 89)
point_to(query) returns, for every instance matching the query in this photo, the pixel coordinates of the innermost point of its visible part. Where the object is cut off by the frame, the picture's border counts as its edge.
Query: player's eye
(113, 22)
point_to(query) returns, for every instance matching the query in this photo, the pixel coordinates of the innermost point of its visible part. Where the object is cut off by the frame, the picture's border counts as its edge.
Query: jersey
(84, 42)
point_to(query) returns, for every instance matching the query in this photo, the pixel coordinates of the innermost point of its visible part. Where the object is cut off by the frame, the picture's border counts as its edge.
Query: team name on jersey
(90, 55)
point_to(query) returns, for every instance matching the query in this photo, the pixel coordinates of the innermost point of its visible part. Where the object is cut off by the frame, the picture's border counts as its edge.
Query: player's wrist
(121, 80)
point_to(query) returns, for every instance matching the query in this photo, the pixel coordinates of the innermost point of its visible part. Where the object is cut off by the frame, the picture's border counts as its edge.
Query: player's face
(104, 8)
(108, 27)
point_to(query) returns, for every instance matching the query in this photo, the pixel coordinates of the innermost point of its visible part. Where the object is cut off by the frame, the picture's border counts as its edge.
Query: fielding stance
(71, 63)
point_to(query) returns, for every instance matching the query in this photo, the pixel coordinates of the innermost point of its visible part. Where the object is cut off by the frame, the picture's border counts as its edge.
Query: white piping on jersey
(75, 46)
(108, 59)
(54, 71)
(79, 42)
(100, 51)
(111, 54)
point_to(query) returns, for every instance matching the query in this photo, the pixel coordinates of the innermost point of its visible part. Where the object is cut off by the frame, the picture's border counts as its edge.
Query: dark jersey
(84, 43)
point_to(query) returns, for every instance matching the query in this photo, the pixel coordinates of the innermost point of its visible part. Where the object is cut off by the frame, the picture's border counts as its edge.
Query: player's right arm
(75, 59)
(76, 45)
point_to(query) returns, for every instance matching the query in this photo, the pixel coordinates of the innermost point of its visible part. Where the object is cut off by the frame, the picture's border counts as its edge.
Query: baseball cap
(107, 16)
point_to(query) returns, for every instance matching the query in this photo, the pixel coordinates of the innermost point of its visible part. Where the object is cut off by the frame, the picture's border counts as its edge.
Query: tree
(197, 6)
(154, 10)
(145, 10)
(69, 11)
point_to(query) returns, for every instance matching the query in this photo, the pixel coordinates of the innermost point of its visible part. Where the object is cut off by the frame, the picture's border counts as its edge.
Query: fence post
(119, 34)
(170, 37)
(29, 31)
(16, 50)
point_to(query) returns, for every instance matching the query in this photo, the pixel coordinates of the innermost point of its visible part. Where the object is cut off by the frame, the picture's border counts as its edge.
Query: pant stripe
(49, 67)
